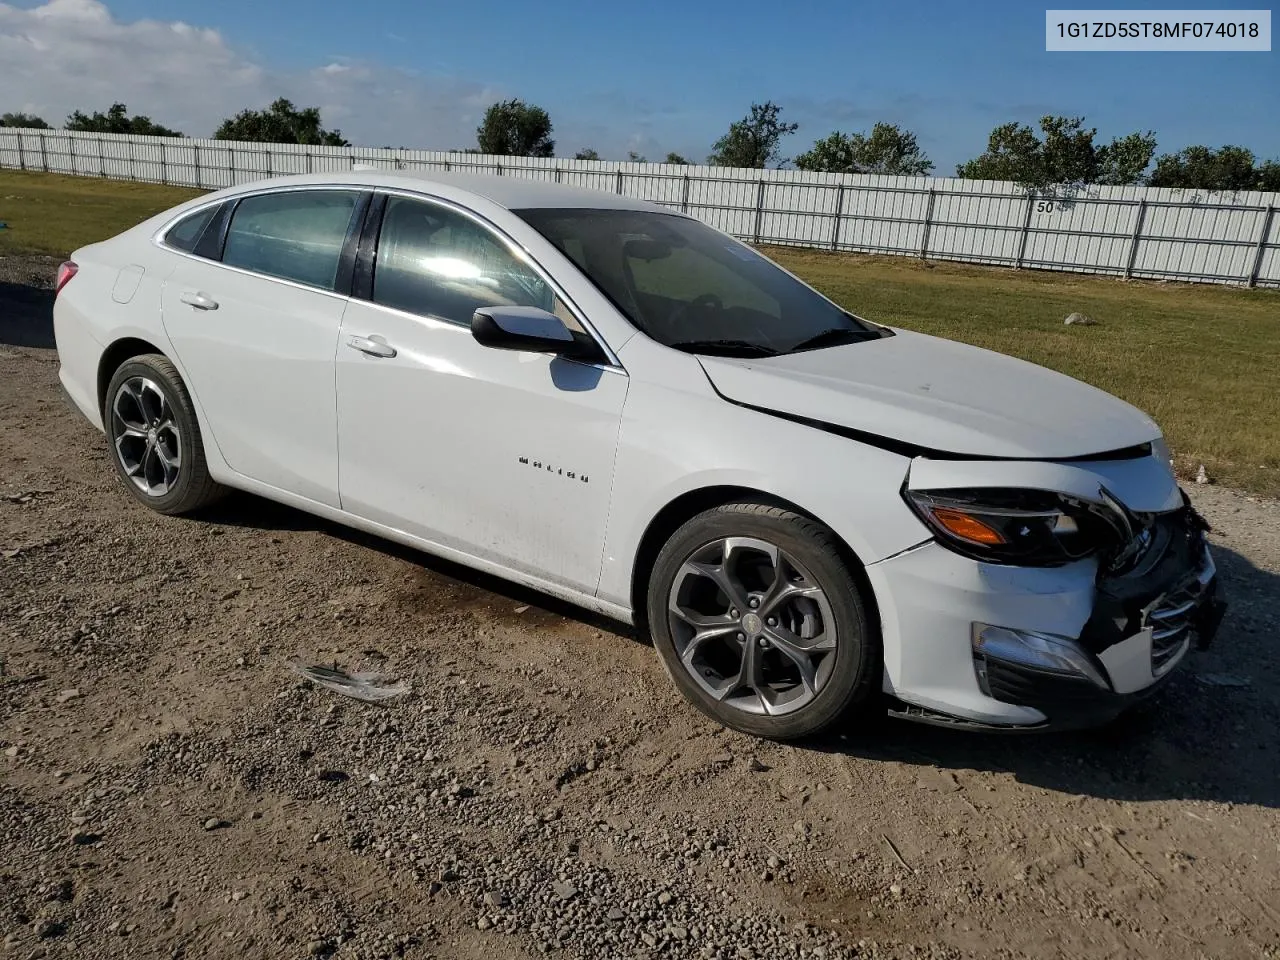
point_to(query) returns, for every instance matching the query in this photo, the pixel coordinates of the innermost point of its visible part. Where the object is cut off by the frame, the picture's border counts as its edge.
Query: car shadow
(248, 511)
(1208, 735)
(26, 315)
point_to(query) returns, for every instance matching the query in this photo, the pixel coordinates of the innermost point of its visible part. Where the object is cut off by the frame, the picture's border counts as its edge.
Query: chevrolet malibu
(620, 406)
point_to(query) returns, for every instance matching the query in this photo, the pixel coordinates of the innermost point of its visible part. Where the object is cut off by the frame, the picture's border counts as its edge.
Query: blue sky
(664, 75)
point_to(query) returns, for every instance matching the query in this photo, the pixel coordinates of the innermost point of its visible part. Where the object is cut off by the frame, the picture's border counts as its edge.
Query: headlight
(1024, 527)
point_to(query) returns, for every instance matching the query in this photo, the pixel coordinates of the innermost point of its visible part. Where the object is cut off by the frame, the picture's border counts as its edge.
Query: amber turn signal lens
(968, 528)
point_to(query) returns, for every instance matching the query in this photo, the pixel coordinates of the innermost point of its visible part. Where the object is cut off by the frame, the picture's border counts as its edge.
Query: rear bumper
(1131, 633)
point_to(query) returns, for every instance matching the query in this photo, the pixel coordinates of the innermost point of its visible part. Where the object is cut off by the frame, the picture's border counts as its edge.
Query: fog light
(1040, 651)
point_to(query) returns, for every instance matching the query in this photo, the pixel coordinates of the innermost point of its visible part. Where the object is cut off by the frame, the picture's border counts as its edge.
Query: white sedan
(623, 407)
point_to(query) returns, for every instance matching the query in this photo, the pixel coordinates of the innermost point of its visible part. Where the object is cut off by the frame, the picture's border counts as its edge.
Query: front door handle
(372, 346)
(199, 300)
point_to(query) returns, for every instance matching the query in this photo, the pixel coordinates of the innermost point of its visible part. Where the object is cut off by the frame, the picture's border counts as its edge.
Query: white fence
(1129, 231)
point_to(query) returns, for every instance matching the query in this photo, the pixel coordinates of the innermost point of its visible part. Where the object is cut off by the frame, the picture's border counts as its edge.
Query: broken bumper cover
(1048, 648)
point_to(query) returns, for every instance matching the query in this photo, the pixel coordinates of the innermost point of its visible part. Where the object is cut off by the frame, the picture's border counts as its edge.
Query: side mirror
(531, 329)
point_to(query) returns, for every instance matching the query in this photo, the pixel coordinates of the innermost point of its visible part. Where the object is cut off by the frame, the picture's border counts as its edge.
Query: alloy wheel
(146, 435)
(752, 626)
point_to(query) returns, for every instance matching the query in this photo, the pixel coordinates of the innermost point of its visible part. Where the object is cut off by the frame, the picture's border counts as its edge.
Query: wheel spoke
(138, 421)
(720, 576)
(784, 591)
(801, 653)
(168, 465)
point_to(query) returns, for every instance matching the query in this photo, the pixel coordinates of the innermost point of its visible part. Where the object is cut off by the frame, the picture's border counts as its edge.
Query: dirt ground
(168, 788)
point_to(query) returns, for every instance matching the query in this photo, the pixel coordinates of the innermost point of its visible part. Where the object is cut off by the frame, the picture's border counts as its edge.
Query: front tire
(759, 621)
(153, 437)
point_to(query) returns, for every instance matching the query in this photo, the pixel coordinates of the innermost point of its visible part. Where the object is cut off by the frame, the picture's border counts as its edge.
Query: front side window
(185, 234)
(691, 287)
(435, 262)
(297, 235)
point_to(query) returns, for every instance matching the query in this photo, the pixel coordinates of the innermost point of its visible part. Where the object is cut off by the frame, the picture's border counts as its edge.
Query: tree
(23, 120)
(1203, 168)
(586, 153)
(117, 120)
(1269, 176)
(513, 128)
(889, 150)
(754, 140)
(1123, 161)
(634, 157)
(675, 158)
(281, 122)
(1067, 156)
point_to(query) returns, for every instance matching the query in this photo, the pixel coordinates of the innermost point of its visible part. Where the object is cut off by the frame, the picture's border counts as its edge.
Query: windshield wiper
(730, 348)
(834, 337)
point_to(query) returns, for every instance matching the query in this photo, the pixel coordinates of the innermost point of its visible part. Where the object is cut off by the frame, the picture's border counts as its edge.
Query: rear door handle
(199, 300)
(372, 346)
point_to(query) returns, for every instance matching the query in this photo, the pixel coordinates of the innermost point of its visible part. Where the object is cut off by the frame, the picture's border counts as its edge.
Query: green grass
(53, 214)
(1203, 360)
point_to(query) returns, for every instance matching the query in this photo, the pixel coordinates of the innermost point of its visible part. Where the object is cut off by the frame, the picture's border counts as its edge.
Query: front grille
(1170, 618)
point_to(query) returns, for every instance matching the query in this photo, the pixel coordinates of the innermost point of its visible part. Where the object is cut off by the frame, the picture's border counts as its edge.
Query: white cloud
(73, 54)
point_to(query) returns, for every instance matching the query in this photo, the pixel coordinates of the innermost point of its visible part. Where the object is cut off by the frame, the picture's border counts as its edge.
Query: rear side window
(435, 262)
(295, 236)
(185, 234)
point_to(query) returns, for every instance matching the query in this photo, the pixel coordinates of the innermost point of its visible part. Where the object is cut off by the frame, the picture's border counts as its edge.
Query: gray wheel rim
(752, 626)
(147, 439)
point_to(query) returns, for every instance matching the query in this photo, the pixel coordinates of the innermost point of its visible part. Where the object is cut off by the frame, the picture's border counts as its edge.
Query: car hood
(938, 395)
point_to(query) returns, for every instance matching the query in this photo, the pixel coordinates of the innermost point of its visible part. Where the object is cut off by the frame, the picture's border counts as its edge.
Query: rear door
(255, 325)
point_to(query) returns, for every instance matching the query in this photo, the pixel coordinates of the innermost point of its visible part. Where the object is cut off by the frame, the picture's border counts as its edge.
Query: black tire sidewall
(183, 496)
(856, 669)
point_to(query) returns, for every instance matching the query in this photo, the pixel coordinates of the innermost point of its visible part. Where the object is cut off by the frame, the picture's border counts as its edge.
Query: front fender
(675, 441)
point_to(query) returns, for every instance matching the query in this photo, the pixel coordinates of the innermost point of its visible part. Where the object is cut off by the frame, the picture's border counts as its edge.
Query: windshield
(690, 287)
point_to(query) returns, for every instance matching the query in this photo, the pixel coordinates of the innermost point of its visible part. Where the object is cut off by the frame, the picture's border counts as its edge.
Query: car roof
(511, 192)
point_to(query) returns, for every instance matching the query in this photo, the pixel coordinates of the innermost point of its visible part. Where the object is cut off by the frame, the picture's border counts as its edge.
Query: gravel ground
(168, 788)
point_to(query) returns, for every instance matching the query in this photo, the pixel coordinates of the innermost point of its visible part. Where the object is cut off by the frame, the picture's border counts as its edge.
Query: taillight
(66, 271)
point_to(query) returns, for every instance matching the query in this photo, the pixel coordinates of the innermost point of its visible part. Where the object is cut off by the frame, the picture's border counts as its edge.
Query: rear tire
(153, 437)
(759, 621)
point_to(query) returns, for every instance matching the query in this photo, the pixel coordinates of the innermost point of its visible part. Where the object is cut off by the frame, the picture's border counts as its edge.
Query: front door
(503, 455)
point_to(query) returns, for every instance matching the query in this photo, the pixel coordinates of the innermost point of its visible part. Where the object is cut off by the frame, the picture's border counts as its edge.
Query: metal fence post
(684, 195)
(1026, 230)
(839, 220)
(164, 162)
(199, 174)
(268, 153)
(1262, 245)
(44, 157)
(22, 158)
(619, 183)
(559, 175)
(133, 161)
(928, 224)
(759, 210)
(1137, 236)
(102, 159)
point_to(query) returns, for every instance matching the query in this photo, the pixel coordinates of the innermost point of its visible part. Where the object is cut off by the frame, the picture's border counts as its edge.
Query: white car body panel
(940, 395)
(268, 345)
(505, 455)
(427, 448)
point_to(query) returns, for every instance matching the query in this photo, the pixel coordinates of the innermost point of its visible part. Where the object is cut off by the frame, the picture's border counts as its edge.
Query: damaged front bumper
(1047, 648)
(1127, 651)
